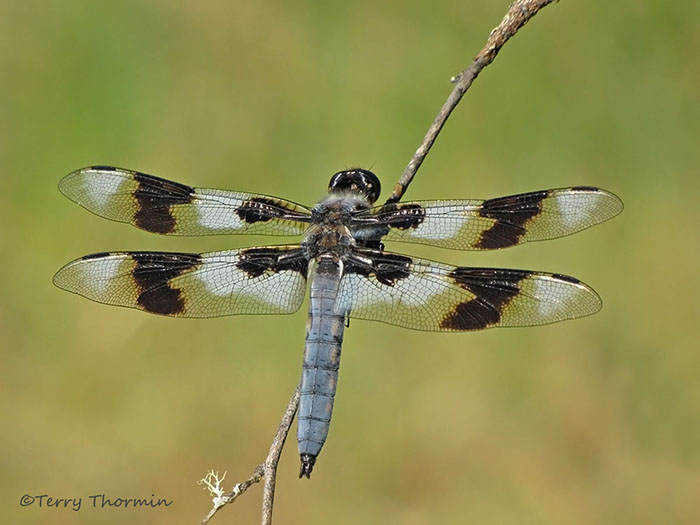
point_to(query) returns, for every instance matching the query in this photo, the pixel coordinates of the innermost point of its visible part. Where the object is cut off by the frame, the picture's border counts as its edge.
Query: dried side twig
(517, 16)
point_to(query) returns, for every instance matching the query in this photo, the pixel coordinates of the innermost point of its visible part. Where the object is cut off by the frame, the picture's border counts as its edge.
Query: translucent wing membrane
(376, 285)
(162, 206)
(263, 280)
(490, 224)
(427, 295)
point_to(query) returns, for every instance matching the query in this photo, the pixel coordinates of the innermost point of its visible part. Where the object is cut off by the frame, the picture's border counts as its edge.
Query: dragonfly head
(356, 180)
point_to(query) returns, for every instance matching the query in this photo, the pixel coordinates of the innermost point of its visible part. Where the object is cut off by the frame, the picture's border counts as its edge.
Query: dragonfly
(341, 259)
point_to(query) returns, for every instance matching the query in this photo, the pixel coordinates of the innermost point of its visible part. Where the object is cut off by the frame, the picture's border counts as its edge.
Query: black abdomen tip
(307, 465)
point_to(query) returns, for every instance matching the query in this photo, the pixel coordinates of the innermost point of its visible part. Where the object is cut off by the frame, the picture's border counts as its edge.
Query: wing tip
(587, 300)
(67, 184)
(63, 281)
(615, 203)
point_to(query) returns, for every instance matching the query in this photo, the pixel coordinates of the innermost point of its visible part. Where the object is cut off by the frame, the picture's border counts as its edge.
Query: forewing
(162, 206)
(494, 223)
(426, 295)
(263, 280)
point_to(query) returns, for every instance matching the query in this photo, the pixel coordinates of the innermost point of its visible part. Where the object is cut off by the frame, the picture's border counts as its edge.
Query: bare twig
(273, 457)
(267, 470)
(518, 14)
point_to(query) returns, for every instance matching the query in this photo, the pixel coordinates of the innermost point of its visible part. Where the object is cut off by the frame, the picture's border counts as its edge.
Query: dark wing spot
(163, 300)
(403, 216)
(103, 168)
(152, 274)
(493, 289)
(155, 196)
(471, 315)
(368, 230)
(585, 188)
(369, 235)
(259, 209)
(511, 215)
(387, 268)
(373, 244)
(256, 261)
(391, 268)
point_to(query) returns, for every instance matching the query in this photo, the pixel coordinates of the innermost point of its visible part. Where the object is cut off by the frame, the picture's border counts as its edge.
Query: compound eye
(359, 181)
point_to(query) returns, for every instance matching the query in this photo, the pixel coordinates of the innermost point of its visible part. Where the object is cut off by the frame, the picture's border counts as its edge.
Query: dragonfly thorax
(332, 216)
(328, 238)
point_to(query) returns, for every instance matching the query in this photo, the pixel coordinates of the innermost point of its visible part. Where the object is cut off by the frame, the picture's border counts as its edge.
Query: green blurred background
(593, 421)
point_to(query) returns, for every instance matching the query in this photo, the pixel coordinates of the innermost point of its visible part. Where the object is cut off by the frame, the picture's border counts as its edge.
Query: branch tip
(518, 14)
